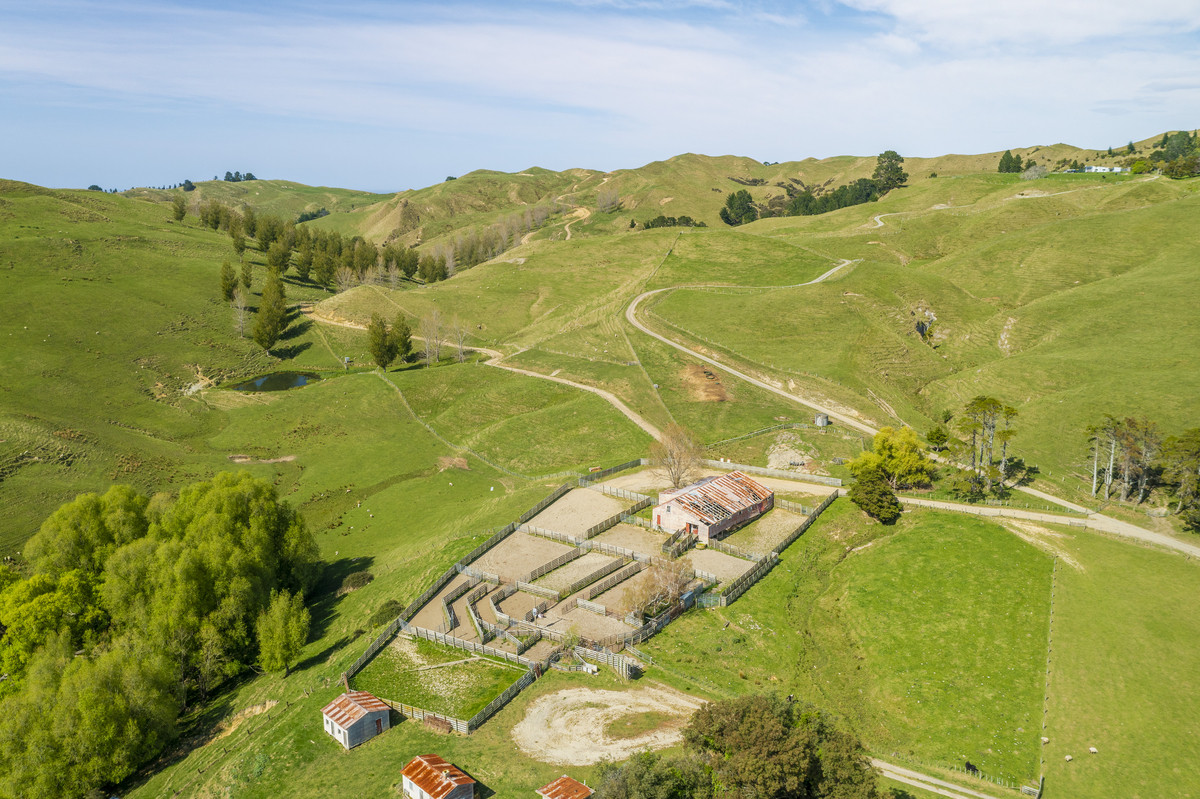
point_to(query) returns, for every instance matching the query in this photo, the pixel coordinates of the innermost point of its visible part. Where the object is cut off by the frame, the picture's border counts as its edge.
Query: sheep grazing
(1093, 750)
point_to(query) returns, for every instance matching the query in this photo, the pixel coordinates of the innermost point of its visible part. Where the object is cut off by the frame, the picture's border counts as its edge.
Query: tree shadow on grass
(295, 328)
(287, 353)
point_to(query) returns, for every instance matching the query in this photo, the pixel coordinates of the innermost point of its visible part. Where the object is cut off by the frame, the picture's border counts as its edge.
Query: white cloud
(972, 23)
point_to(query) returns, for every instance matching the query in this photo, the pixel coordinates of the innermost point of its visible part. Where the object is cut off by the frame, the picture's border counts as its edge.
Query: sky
(384, 96)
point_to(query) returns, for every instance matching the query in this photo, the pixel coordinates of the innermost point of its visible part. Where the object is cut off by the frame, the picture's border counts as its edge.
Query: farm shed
(564, 788)
(355, 717)
(713, 505)
(431, 777)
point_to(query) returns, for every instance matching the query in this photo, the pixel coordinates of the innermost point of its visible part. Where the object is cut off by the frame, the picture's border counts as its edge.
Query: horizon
(384, 98)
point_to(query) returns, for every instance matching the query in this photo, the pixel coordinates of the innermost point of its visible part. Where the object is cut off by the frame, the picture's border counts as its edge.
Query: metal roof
(565, 788)
(717, 498)
(435, 776)
(352, 706)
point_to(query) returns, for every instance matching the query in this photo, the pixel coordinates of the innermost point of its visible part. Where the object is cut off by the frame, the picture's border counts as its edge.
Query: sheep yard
(440, 679)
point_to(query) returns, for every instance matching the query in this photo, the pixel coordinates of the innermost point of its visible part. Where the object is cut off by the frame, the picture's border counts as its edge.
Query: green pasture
(928, 638)
(448, 681)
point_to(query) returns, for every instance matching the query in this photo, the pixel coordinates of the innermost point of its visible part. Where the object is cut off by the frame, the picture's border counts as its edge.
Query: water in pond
(278, 381)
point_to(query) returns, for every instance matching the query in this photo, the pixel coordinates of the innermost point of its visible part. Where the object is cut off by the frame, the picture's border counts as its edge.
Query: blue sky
(391, 95)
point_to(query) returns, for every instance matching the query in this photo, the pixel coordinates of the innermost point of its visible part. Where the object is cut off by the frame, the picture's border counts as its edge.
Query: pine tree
(401, 335)
(272, 313)
(247, 275)
(380, 342)
(228, 281)
(1008, 163)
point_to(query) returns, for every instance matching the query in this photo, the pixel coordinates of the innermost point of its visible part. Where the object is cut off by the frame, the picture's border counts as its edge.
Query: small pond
(278, 381)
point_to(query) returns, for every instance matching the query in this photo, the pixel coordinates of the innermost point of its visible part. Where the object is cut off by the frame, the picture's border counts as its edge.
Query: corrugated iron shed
(717, 498)
(565, 788)
(352, 706)
(435, 776)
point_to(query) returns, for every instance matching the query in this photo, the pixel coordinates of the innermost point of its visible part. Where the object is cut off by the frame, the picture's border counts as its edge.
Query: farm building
(356, 716)
(713, 505)
(564, 788)
(431, 777)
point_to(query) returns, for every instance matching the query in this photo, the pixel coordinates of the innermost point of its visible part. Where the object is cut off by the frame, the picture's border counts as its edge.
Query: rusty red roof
(352, 706)
(565, 788)
(716, 498)
(435, 776)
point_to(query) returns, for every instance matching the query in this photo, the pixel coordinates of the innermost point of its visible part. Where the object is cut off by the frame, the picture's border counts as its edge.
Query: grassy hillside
(1068, 296)
(284, 198)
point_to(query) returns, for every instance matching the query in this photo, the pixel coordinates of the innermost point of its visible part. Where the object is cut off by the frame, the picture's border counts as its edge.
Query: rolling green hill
(1069, 297)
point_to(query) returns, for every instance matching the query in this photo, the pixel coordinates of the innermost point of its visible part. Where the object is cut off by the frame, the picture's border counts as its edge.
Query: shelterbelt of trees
(133, 606)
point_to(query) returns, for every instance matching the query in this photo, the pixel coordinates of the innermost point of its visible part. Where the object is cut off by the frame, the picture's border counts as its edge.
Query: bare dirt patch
(723, 567)
(765, 532)
(519, 554)
(564, 576)
(248, 459)
(704, 384)
(570, 727)
(1044, 539)
(629, 536)
(446, 462)
(236, 720)
(577, 511)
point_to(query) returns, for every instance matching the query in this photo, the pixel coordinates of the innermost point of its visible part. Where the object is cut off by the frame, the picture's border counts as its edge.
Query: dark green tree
(247, 275)
(872, 494)
(937, 437)
(401, 335)
(1009, 163)
(889, 172)
(279, 256)
(380, 342)
(229, 281)
(1181, 471)
(739, 208)
(271, 319)
(178, 207)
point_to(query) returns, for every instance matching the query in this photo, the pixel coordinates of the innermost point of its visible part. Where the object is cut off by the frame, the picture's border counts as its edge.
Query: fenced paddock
(633, 538)
(513, 557)
(565, 577)
(577, 511)
(766, 532)
(725, 568)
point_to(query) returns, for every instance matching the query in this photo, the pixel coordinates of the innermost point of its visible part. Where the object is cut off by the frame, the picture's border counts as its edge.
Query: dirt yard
(630, 536)
(724, 567)
(518, 555)
(561, 578)
(621, 595)
(579, 510)
(430, 614)
(765, 532)
(568, 727)
(586, 623)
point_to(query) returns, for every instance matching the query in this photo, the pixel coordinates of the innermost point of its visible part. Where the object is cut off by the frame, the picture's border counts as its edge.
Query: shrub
(357, 580)
(387, 612)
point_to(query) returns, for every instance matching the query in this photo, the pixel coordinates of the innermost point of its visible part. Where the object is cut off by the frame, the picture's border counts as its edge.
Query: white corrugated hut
(355, 717)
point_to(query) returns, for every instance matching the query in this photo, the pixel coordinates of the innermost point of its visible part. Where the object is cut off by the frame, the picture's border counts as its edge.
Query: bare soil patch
(765, 532)
(1044, 539)
(586, 623)
(247, 459)
(621, 597)
(630, 536)
(577, 511)
(563, 577)
(723, 567)
(704, 383)
(235, 721)
(518, 555)
(446, 462)
(570, 727)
